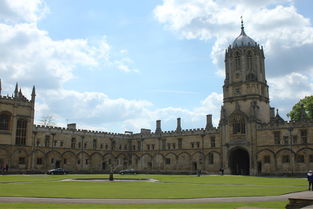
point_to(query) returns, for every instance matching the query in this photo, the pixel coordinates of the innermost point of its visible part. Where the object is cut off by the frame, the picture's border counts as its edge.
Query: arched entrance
(239, 162)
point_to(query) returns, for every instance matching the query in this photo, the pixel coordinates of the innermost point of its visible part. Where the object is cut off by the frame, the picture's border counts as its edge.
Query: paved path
(155, 201)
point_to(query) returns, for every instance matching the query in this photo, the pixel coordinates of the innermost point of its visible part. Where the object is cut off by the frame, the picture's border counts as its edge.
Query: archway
(239, 162)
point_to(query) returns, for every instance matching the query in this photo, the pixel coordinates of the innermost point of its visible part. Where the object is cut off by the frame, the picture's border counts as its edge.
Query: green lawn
(168, 186)
(274, 204)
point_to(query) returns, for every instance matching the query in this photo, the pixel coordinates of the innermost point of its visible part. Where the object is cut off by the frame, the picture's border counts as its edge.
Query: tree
(47, 120)
(302, 110)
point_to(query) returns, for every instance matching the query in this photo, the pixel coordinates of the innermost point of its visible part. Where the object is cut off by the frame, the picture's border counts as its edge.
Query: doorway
(239, 162)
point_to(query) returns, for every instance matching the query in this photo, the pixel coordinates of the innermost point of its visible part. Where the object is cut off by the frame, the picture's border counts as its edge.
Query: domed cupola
(243, 39)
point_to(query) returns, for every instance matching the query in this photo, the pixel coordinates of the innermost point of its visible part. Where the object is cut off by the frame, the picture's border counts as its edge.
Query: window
(47, 141)
(149, 164)
(78, 162)
(294, 139)
(101, 146)
(106, 146)
(39, 161)
(134, 147)
(168, 146)
(285, 159)
(21, 132)
(267, 159)
(238, 125)
(120, 147)
(125, 147)
(168, 161)
(86, 161)
(21, 161)
(304, 136)
(5, 119)
(277, 137)
(286, 140)
(198, 144)
(180, 143)
(152, 146)
(148, 146)
(237, 61)
(94, 144)
(174, 146)
(65, 161)
(192, 144)
(55, 143)
(211, 158)
(85, 145)
(52, 160)
(212, 141)
(73, 143)
(249, 61)
(300, 158)
(61, 143)
(38, 142)
(311, 158)
(79, 145)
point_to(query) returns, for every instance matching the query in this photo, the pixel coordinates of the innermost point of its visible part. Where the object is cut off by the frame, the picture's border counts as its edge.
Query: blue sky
(117, 66)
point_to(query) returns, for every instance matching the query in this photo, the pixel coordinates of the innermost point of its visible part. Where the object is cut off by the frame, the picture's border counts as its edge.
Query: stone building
(249, 140)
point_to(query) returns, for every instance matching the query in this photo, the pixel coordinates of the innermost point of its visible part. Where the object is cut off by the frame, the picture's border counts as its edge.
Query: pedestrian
(222, 171)
(309, 175)
(6, 168)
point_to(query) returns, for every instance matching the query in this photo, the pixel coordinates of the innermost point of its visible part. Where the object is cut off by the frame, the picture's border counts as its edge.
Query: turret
(33, 95)
(158, 126)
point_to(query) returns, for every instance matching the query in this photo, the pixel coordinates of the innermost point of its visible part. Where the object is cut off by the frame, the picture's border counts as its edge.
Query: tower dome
(243, 39)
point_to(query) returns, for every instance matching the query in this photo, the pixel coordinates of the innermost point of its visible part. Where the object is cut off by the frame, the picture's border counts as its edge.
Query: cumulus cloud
(286, 35)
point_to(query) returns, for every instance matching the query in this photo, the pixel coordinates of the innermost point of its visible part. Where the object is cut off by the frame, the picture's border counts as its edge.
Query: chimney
(208, 122)
(71, 126)
(178, 128)
(158, 126)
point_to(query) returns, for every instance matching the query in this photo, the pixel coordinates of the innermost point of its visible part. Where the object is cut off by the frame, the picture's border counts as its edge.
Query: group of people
(4, 168)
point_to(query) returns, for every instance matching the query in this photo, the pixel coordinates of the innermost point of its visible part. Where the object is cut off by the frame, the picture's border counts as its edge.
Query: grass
(168, 186)
(273, 204)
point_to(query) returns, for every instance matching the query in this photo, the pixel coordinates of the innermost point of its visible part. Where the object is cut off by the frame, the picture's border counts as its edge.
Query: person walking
(309, 176)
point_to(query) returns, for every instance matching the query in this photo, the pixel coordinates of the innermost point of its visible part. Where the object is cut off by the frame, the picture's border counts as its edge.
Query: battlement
(285, 125)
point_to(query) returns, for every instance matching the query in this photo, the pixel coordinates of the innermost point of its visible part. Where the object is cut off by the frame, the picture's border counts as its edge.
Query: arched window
(249, 61)
(239, 125)
(5, 121)
(21, 128)
(237, 61)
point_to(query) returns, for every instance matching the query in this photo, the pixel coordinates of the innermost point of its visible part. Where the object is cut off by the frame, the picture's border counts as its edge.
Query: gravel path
(306, 194)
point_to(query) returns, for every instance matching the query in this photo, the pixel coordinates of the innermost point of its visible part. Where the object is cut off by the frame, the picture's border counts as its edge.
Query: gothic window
(148, 146)
(300, 158)
(304, 136)
(252, 77)
(21, 132)
(168, 146)
(239, 125)
(94, 144)
(65, 161)
(211, 158)
(285, 159)
(249, 61)
(294, 139)
(174, 146)
(85, 145)
(152, 146)
(61, 143)
(192, 144)
(180, 143)
(276, 137)
(286, 140)
(5, 119)
(168, 161)
(21, 161)
(212, 141)
(47, 141)
(73, 143)
(267, 159)
(39, 161)
(198, 144)
(237, 61)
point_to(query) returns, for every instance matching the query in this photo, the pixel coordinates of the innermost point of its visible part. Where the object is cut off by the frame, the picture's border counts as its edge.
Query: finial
(241, 23)
(33, 94)
(0, 87)
(16, 90)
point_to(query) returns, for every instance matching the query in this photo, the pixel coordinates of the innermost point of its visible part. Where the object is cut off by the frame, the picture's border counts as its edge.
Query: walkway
(306, 194)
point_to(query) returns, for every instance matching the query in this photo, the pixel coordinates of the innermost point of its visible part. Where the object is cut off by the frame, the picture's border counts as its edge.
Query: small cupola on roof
(243, 39)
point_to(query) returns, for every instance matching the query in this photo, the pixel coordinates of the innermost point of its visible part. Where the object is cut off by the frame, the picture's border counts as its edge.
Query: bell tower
(245, 86)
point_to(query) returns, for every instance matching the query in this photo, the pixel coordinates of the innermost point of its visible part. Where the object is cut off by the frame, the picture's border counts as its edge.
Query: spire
(0, 87)
(242, 27)
(16, 90)
(33, 95)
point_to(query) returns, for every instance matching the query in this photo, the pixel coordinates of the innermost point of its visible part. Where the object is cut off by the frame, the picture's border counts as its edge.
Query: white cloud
(286, 35)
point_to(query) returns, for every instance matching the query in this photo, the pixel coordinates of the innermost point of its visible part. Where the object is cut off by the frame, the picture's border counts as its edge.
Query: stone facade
(249, 140)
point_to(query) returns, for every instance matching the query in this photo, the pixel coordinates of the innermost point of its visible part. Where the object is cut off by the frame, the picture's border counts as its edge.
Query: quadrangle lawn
(167, 186)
